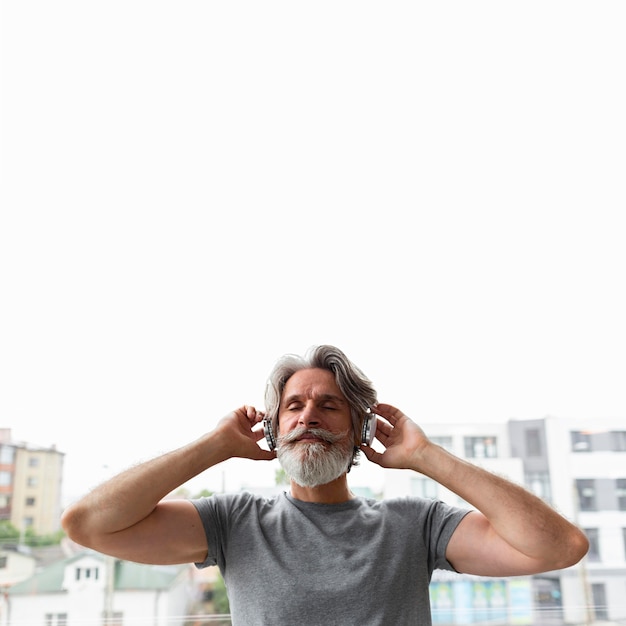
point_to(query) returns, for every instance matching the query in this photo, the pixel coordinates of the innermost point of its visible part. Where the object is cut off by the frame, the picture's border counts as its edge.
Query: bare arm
(127, 517)
(512, 532)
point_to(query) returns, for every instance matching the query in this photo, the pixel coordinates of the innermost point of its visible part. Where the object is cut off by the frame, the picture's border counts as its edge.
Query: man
(320, 555)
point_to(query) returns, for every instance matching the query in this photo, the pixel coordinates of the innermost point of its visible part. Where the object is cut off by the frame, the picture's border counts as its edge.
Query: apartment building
(583, 464)
(463, 599)
(579, 467)
(30, 485)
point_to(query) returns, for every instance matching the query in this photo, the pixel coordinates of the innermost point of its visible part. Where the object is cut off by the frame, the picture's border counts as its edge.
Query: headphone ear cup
(368, 432)
(269, 434)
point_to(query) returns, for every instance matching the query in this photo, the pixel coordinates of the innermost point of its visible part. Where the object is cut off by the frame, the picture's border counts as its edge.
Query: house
(90, 587)
(15, 566)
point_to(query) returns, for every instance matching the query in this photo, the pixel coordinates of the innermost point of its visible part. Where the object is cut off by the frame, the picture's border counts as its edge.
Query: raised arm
(127, 517)
(512, 532)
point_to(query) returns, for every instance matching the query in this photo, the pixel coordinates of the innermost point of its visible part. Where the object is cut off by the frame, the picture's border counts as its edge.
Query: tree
(11, 535)
(220, 597)
(205, 493)
(8, 532)
(281, 477)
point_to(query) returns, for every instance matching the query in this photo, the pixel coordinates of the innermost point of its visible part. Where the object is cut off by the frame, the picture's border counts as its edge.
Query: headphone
(368, 430)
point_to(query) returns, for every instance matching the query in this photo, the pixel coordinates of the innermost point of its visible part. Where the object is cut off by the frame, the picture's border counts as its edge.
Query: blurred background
(191, 190)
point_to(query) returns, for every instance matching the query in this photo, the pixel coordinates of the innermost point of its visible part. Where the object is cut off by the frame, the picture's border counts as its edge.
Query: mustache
(320, 433)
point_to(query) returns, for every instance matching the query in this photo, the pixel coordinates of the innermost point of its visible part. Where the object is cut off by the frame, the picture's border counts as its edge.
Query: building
(91, 588)
(30, 485)
(15, 566)
(456, 598)
(578, 467)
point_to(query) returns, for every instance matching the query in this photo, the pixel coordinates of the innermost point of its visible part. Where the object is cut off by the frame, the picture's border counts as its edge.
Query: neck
(334, 492)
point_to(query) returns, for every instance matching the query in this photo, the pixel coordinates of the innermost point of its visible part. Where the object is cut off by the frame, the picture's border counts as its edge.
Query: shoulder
(422, 512)
(410, 504)
(228, 503)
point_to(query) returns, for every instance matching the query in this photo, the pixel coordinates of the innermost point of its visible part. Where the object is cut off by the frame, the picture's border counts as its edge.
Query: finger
(259, 434)
(384, 428)
(382, 438)
(265, 455)
(372, 455)
(253, 415)
(389, 412)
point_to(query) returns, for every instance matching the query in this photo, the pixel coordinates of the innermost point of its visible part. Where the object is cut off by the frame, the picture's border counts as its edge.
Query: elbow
(577, 547)
(569, 549)
(582, 546)
(74, 524)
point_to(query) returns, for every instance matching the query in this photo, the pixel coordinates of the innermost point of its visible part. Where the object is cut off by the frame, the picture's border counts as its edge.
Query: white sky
(192, 189)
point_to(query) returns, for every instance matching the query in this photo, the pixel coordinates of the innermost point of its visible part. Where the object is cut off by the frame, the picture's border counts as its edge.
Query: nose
(309, 417)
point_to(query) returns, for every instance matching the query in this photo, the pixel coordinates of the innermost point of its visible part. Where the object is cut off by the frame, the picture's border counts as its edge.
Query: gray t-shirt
(287, 562)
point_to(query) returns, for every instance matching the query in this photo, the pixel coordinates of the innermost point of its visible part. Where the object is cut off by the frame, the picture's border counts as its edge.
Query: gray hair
(353, 384)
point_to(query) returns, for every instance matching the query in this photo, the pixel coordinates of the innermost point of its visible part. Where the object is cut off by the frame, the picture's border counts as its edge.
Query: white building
(577, 466)
(90, 587)
(15, 566)
(458, 599)
(587, 465)
(486, 445)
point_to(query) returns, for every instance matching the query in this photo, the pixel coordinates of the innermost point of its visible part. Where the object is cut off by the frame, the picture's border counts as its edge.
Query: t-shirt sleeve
(442, 521)
(205, 509)
(214, 514)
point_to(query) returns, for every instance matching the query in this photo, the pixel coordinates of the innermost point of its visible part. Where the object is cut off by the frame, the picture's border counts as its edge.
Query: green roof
(129, 576)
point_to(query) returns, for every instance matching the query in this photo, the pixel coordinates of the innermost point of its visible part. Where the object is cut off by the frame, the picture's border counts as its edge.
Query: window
(539, 484)
(7, 455)
(3, 562)
(624, 540)
(533, 442)
(620, 492)
(586, 441)
(6, 478)
(86, 573)
(581, 441)
(424, 488)
(30, 501)
(33, 461)
(32, 481)
(586, 489)
(594, 544)
(598, 593)
(481, 447)
(56, 619)
(618, 440)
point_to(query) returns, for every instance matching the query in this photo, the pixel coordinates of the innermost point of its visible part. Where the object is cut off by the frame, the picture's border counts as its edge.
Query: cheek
(286, 423)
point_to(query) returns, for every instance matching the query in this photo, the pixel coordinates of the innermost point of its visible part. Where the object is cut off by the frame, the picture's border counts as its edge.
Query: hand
(241, 431)
(403, 439)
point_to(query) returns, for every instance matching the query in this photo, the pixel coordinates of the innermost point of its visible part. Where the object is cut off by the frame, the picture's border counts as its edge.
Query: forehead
(310, 383)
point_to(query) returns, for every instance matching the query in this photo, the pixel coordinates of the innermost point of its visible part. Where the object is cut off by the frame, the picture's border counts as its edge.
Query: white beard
(315, 463)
